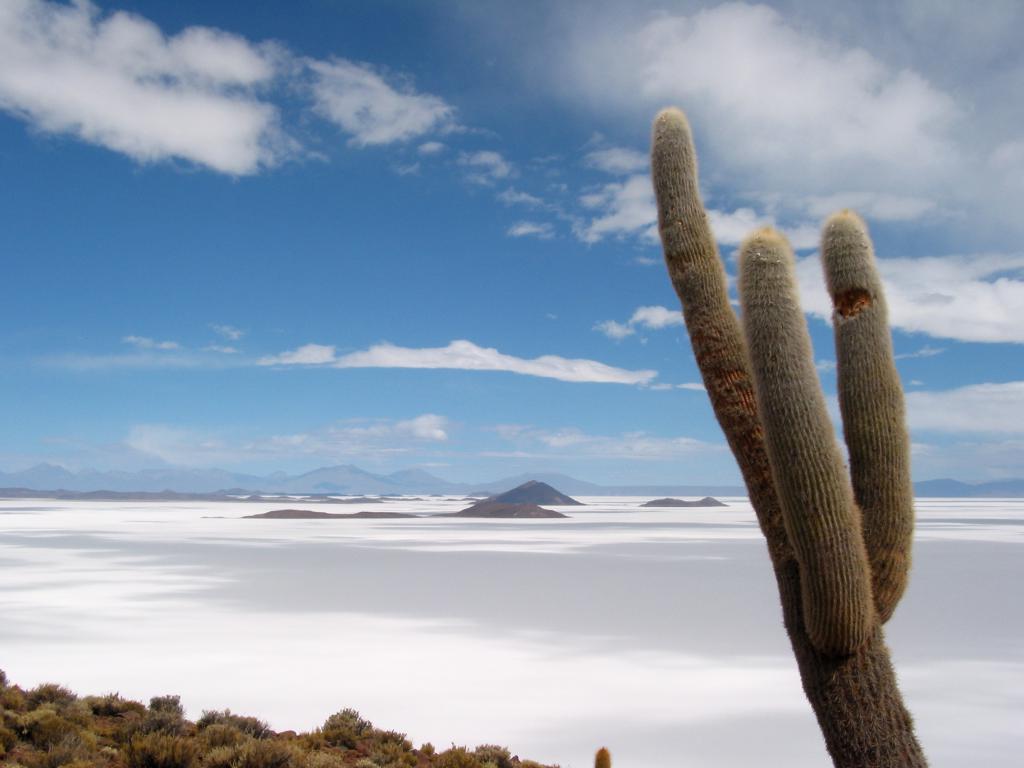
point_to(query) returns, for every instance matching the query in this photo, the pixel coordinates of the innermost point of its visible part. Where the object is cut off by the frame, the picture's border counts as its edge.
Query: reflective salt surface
(654, 632)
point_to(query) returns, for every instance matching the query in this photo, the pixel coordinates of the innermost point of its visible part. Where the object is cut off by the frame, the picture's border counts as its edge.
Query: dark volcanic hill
(496, 509)
(309, 514)
(707, 501)
(535, 492)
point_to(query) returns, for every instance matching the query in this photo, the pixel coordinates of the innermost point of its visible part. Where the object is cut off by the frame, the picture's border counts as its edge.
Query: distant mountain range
(347, 479)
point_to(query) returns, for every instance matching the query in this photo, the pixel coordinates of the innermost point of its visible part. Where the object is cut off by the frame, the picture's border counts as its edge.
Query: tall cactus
(839, 546)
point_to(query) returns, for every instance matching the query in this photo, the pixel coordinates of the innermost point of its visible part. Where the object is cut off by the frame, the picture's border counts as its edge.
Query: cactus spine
(839, 573)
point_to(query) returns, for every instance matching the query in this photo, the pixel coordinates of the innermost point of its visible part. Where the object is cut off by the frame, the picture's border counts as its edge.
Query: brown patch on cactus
(852, 302)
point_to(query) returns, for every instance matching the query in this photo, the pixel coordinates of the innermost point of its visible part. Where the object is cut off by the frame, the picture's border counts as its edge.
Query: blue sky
(401, 234)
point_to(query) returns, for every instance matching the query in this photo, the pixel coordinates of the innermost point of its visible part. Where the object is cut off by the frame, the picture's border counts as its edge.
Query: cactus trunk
(824, 562)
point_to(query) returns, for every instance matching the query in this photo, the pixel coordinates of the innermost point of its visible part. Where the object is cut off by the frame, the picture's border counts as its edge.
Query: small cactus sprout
(839, 544)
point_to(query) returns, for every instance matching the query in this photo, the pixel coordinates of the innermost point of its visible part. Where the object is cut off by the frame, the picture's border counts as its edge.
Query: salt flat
(654, 632)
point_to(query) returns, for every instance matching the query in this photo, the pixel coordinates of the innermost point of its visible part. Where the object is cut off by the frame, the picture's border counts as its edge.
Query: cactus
(603, 758)
(839, 546)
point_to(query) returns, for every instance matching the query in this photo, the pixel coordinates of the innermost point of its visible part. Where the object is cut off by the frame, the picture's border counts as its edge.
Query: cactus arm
(822, 522)
(698, 277)
(871, 403)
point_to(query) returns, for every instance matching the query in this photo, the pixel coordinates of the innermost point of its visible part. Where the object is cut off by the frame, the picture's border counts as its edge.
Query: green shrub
(13, 699)
(219, 757)
(112, 705)
(70, 748)
(323, 759)
(456, 757)
(160, 750)
(8, 739)
(492, 754)
(345, 728)
(251, 726)
(165, 715)
(262, 753)
(50, 693)
(221, 735)
(43, 727)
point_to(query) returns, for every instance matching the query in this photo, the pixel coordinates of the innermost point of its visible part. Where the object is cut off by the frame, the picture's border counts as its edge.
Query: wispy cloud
(465, 355)
(540, 229)
(144, 342)
(977, 408)
(485, 166)
(617, 160)
(362, 438)
(428, 148)
(117, 81)
(530, 442)
(228, 332)
(307, 354)
(361, 102)
(512, 196)
(652, 318)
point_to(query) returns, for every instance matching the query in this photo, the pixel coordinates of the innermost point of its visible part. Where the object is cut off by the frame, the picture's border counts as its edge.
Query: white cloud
(362, 438)
(788, 108)
(485, 166)
(307, 354)
(362, 103)
(512, 196)
(652, 317)
(877, 206)
(228, 332)
(694, 386)
(636, 446)
(656, 317)
(143, 342)
(976, 408)
(117, 81)
(626, 208)
(465, 355)
(431, 148)
(617, 160)
(224, 349)
(969, 298)
(180, 446)
(541, 229)
(614, 330)
(925, 351)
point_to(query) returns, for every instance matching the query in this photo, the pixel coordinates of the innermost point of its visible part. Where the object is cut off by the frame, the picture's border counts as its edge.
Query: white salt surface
(654, 632)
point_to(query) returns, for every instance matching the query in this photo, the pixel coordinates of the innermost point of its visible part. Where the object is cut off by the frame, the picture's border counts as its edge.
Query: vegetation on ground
(50, 726)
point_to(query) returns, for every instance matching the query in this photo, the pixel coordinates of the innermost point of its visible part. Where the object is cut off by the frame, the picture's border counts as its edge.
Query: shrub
(260, 753)
(43, 727)
(323, 759)
(492, 754)
(221, 735)
(345, 728)
(165, 715)
(50, 693)
(71, 747)
(250, 726)
(8, 739)
(456, 757)
(112, 705)
(160, 750)
(219, 757)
